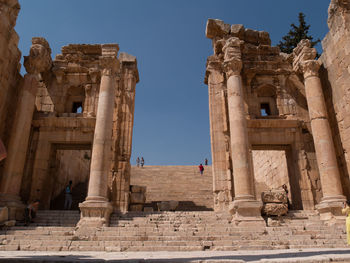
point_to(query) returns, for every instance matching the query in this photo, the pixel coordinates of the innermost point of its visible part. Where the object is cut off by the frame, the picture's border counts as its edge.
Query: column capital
(109, 65)
(304, 59)
(310, 68)
(232, 56)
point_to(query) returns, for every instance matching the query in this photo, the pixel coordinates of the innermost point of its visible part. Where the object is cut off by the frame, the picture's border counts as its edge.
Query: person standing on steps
(201, 169)
(138, 161)
(206, 161)
(68, 196)
(30, 212)
(346, 211)
(142, 162)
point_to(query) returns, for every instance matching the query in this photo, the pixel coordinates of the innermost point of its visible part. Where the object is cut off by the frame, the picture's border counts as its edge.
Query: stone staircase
(171, 231)
(180, 183)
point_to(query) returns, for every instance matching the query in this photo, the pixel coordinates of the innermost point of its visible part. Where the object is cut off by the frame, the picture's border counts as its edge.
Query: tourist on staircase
(142, 162)
(68, 196)
(201, 169)
(30, 212)
(346, 211)
(138, 161)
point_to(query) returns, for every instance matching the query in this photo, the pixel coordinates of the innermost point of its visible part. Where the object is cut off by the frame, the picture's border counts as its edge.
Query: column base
(14, 205)
(330, 207)
(94, 213)
(247, 213)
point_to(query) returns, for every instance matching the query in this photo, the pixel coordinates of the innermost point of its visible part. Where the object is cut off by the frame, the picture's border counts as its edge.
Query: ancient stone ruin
(279, 126)
(261, 100)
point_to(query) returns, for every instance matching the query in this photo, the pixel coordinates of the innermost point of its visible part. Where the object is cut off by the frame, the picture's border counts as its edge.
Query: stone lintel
(255, 123)
(65, 122)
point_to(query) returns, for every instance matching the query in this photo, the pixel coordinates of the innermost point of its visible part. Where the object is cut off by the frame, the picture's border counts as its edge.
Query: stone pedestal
(96, 210)
(332, 201)
(245, 208)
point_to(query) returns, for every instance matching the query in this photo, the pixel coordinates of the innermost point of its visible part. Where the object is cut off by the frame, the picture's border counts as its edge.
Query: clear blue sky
(168, 38)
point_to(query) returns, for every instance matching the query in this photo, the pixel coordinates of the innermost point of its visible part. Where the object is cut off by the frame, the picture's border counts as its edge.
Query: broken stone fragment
(274, 209)
(216, 28)
(274, 196)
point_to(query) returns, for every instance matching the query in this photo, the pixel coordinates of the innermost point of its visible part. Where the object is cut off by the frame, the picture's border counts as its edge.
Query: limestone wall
(335, 79)
(270, 170)
(9, 66)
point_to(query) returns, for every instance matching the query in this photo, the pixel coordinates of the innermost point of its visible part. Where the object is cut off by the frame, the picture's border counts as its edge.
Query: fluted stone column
(96, 209)
(39, 60)
(222, 181)
(245, 208)
(332, 200)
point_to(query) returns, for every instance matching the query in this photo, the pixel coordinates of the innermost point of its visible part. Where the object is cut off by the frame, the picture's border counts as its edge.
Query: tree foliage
(295, 34)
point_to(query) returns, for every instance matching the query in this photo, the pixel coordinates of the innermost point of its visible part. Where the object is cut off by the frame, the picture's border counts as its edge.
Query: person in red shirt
(201, 169)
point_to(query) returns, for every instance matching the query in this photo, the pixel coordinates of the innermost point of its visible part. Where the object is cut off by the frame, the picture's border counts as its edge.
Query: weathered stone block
(275, 196)
(3, 214)
(138, 189)
(167, 205)
(275, 209)
(237, 30)
(251, 36)
(216, 28)
(137, 198)
(264, 38)
(148, 209)
(138, 207)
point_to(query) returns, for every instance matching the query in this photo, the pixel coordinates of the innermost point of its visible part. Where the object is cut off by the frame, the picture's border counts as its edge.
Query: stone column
(39, 60)
(222, 182)
(96, 209)
(245, 208)
(333, 198)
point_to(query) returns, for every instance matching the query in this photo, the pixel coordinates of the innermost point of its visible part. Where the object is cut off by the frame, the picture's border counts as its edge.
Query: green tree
(295, 34)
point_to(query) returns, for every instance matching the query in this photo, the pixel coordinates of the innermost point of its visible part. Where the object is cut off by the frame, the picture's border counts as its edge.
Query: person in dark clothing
(30, 212)
(68, 196)
(206, 161)
(142, 162)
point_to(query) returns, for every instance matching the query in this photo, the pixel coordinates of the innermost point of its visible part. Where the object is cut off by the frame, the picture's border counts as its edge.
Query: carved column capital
(109, 65)
(39, 59)
(232, 57)
(310, 68)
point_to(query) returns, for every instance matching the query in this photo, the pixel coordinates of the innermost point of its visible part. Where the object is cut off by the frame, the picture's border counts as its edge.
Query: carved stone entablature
(302, 53)
(232, 56)
(39, 59)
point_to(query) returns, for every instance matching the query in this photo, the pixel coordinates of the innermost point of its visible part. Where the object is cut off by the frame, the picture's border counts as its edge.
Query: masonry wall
(335, 76)
(9, 67)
